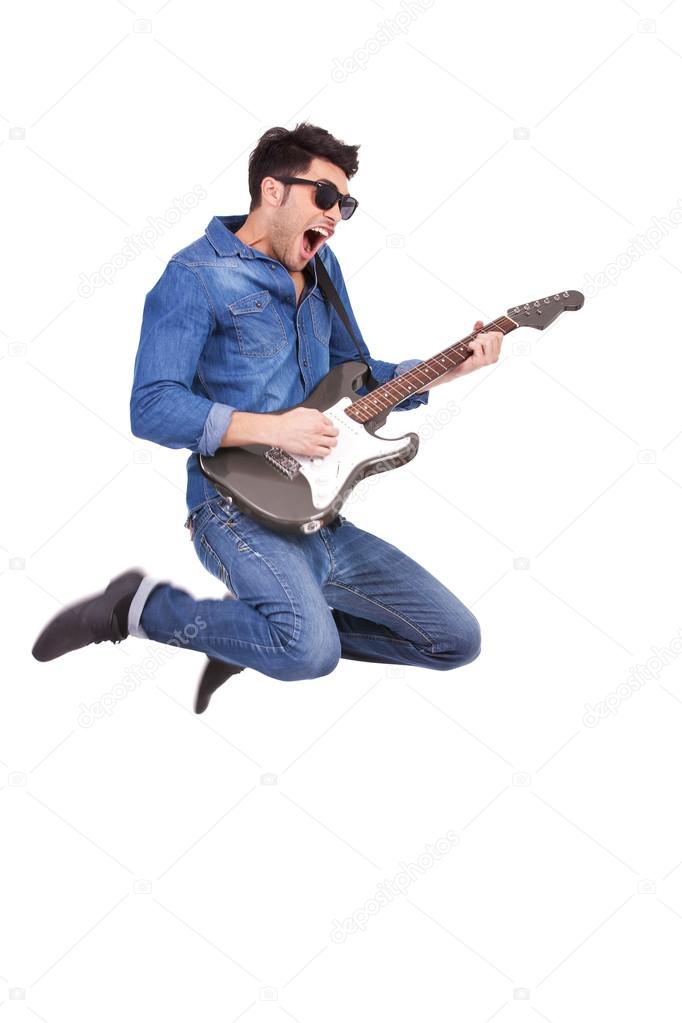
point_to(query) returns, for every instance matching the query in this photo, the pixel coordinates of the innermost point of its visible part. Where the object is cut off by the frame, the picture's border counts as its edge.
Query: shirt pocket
(321, 317)
(259, 327)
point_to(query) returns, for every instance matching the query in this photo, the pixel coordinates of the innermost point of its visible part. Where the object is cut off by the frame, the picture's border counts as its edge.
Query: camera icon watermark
(17, 779)
(268, 778)
(16, 134)
(521, 779)
(646, 457)
(521, 564)
(141, 456)
(268, 994)
(17, 564)
(521, 134)
(645, 886)
(395, 241)
(142, 886)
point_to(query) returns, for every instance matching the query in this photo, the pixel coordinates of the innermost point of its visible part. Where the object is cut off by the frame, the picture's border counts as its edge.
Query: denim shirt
(221, 331)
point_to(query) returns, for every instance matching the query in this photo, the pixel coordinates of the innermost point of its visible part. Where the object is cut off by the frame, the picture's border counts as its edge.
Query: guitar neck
(382, 399)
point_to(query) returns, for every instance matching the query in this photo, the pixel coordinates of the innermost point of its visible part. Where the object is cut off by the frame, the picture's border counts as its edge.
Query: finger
(491, 347)
(480, 357)
(485, 347)
(496, 342)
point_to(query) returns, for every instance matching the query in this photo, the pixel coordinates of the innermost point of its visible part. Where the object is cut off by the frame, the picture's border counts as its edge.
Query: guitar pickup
(283, 462)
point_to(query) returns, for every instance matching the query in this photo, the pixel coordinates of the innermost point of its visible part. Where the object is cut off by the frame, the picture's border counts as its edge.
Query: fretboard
(387, 396)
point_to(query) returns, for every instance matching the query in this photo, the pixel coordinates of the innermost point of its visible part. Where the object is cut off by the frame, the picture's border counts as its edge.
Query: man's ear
(271, 191)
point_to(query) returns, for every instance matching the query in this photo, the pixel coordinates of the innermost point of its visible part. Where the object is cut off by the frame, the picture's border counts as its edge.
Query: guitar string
(364, 403)
(365, 400)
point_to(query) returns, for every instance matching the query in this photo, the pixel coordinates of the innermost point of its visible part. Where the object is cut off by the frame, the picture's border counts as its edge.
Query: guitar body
(298, 493)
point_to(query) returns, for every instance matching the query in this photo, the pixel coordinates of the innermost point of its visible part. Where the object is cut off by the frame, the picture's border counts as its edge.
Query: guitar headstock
(543, 311)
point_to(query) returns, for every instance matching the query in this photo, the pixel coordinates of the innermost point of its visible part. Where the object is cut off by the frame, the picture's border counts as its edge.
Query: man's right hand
(305, 431)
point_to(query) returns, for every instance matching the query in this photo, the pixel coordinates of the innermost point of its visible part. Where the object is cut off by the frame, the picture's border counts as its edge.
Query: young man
(235, 330)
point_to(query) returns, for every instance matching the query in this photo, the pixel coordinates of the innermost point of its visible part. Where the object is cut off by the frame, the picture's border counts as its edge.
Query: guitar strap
(332, 295)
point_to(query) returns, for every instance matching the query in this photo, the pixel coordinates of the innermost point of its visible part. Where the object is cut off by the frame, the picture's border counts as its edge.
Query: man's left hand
(486, 348)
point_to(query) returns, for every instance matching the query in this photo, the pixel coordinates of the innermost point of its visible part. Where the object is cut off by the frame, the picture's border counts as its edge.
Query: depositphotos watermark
(135, 674)
(639, 675)
(641, 245)
(389, 28)
(398, 885)
(136, 244)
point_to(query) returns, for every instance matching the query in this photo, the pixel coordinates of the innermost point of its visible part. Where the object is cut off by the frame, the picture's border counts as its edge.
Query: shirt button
(305, 362)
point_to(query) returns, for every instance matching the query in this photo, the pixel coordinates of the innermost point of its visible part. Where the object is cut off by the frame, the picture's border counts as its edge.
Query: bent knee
(465, 646)
(304, 659)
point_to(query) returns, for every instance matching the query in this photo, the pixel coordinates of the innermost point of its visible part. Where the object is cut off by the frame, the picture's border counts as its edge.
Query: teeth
(320, 230)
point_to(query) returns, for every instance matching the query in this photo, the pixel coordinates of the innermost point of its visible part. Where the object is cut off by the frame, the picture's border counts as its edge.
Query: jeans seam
(297, 618)
(222, 639)
(386, 607)
(329, 544)
(390, 639)
(224, 574)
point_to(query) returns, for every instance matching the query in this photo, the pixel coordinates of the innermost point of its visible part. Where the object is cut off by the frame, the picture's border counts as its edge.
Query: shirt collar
(220, 233)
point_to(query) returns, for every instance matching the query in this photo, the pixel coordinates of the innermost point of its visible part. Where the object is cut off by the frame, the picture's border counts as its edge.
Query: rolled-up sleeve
(405, 366)
(342, 349)
(177, 321)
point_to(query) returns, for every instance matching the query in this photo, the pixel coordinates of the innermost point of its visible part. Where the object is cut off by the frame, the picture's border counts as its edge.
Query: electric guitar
(297, 492)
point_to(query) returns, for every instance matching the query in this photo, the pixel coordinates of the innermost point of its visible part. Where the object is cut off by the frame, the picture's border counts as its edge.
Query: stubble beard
(284, 238)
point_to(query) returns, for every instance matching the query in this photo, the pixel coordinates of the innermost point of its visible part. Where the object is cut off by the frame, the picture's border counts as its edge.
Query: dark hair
(280, 151)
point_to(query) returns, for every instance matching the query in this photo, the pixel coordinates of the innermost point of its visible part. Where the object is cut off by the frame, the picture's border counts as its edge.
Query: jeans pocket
(196, 519)
(212, 562)
(207, 548)
(226, 512)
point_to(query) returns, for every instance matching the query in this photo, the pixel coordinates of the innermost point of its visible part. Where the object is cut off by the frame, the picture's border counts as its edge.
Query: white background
(159, 865)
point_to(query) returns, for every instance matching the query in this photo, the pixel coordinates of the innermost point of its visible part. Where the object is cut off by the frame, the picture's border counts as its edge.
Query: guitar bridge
(283, 462)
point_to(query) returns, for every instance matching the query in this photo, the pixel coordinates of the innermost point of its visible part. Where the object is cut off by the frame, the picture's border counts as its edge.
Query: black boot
(215, 673)
(103, 616)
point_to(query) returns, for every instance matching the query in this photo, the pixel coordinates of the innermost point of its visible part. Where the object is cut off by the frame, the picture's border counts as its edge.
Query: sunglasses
(326, 195)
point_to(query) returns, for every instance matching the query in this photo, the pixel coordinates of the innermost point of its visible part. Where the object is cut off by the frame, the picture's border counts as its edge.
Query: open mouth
(313, 240)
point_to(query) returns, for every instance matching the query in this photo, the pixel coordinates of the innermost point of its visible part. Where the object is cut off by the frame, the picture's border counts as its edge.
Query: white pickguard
(354, 444)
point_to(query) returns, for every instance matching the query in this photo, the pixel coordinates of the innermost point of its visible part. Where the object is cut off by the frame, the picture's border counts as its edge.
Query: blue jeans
(305, 600)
